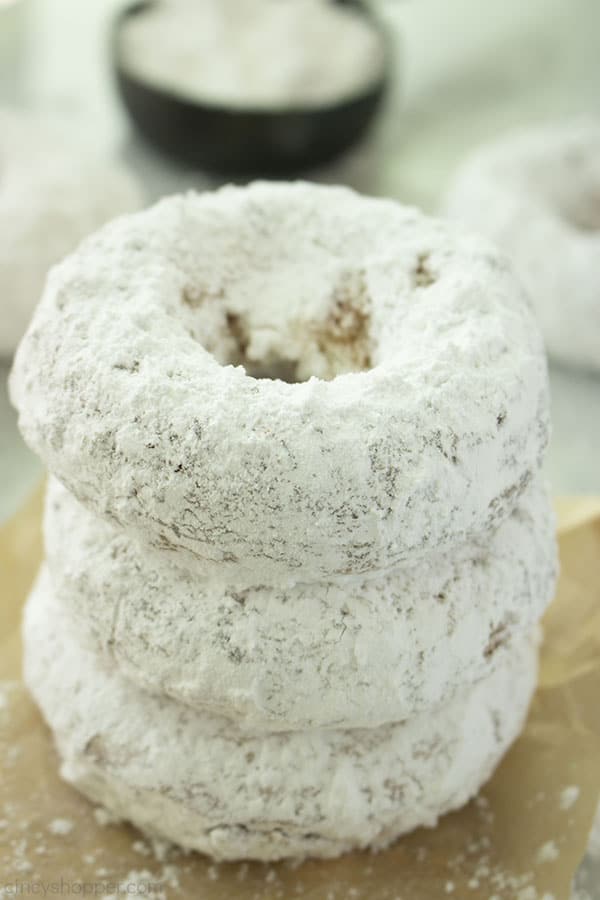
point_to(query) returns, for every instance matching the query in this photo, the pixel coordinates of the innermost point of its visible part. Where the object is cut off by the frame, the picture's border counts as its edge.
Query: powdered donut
(51, 196)
(426, 419)
(357, 654)
(537, 193)
(199, 781)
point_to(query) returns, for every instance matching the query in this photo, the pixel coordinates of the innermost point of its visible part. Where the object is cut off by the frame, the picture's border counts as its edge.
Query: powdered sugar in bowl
(251, 86)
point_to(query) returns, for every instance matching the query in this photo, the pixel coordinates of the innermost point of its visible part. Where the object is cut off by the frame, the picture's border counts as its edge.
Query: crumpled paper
(521, 839)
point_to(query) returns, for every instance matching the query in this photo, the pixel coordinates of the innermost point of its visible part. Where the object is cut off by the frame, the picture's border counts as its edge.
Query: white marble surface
(461, 77)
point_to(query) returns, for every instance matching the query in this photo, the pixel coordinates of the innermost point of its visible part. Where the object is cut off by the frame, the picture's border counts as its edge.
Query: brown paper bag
(522, 839)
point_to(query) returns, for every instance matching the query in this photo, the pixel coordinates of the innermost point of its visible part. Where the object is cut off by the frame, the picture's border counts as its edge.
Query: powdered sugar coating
(433, 421)
(355, 654)
(51, 196)
(319, 793)
(537, 194)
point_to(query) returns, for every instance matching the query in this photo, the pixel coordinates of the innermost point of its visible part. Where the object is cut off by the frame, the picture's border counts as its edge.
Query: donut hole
(274, 368)
(324, 350)
(290, 341)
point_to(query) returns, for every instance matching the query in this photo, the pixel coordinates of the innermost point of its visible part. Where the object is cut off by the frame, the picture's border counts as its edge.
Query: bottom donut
(198, 781)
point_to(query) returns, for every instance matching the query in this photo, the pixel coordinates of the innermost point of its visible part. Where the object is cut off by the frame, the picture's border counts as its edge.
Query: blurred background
(453, 75)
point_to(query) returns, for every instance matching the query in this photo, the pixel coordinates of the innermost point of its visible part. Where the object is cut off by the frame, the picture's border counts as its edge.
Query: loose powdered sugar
(254, 53)
(548, 852)
(61, 826)
(569, 796)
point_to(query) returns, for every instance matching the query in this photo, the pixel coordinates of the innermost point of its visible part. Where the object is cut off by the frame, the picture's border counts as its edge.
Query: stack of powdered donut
(297, 539)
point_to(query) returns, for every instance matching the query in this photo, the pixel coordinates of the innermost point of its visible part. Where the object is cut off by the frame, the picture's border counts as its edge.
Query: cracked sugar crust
(151, 382)
(357, 653)
(536, 193)
(51, 196)
(198, 781)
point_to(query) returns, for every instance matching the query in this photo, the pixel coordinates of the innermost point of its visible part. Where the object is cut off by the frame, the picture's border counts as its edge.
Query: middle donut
(282, 658)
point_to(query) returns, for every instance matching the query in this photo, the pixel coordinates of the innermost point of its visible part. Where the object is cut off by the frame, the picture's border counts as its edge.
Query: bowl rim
(372, 90)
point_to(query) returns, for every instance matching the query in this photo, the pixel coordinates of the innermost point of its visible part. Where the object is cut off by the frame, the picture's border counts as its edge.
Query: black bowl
(247, 142)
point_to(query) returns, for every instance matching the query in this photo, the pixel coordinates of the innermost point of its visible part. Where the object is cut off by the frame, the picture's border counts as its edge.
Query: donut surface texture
(51, 196)
(166, 381)
(537, 194)
(355, 654)
(196, 780)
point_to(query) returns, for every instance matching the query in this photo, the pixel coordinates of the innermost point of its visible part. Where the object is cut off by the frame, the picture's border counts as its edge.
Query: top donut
(286, 382)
